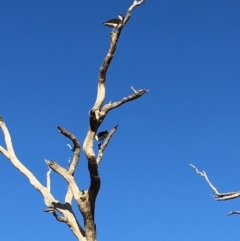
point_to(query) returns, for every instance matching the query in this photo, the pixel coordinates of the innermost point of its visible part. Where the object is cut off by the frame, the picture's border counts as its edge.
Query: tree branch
(76, 148)
(219, 196)
(106, 108)
(10, 154)
(49, 200)
(69, 218)
(104, 145)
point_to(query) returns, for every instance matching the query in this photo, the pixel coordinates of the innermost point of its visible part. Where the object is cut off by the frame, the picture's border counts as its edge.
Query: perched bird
(101, 136)
(113, 23)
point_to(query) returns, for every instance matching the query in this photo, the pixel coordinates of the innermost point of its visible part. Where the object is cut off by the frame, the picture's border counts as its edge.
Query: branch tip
(48, 162)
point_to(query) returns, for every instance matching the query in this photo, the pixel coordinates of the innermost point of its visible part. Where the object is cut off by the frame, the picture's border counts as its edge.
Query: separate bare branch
(104, 145)
(203, 174)
(219, 196)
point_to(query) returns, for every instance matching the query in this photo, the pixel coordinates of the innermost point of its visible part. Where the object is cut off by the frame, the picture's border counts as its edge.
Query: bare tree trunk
(85, 199)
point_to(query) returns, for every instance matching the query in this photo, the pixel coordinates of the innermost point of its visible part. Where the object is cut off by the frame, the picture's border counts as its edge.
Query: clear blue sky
(187, 53)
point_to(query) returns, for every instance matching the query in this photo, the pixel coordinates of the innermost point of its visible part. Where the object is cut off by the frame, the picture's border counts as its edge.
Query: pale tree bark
(63, 212)
(219, 196)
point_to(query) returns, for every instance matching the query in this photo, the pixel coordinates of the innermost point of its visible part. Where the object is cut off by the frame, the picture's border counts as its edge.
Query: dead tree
(63, 211)
(219, 196)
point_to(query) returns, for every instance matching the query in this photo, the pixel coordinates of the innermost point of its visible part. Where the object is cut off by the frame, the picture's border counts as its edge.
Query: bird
(101, 135)
(113, 23)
